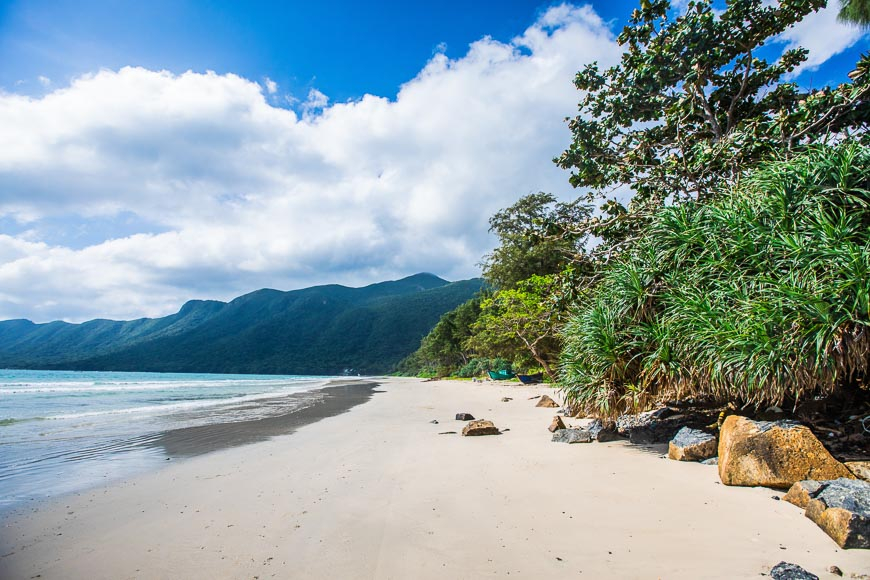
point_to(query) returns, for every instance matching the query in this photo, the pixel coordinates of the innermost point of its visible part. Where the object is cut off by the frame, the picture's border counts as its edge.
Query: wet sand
(379, 492)
(337, 397)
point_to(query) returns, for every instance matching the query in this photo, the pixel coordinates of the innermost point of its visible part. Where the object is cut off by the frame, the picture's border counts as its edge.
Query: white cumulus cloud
(229, 193)
(822, 34)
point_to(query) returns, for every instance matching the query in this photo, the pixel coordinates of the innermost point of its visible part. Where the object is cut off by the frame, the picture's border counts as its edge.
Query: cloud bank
(211, 191)
(129, 192)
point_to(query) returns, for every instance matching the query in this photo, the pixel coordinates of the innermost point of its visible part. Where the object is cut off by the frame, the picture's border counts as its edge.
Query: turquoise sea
(65, 431)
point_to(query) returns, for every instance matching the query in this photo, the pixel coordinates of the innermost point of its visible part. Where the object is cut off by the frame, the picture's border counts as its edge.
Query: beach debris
(835, 570)
(711, 461)
(546, 401)
(535, 397)
(773, 454)
(786, 571)
(464, 417)
(434, 421)
(480, 427)
(692, 445)
(572, 436)
(860, 469)
(556, 424)
(447, 433)
(840, 507)
(506, 399)
(602, 433)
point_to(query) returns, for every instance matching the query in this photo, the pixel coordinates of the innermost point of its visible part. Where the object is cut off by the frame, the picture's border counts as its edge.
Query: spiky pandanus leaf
(760, 297)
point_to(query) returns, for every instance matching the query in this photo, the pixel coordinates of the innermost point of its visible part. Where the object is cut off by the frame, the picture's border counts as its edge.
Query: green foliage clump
(855, 11)
(535, 238)
(761, 297)
(693, 104)
(521, 322)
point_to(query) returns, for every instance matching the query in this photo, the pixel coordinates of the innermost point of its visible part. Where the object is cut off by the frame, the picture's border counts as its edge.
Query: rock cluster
(481, 427)
(658, 426)
(840, 507)
(692, 445)
(773, 454)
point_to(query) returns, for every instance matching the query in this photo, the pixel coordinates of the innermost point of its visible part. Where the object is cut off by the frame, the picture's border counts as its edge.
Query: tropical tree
(693, 103)
(855, 11)
(521, 323)
(535, 238)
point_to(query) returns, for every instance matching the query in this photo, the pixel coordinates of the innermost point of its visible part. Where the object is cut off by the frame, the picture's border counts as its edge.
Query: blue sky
(343, 48)
(156, 152)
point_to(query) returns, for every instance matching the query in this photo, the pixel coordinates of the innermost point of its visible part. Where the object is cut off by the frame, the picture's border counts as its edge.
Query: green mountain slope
(320, 330)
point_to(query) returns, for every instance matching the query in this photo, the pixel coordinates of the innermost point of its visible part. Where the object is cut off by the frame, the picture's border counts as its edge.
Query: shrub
(758, 298)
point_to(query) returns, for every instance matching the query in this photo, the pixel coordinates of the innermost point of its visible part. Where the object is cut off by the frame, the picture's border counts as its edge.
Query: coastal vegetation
(719, 247)
(759, 298)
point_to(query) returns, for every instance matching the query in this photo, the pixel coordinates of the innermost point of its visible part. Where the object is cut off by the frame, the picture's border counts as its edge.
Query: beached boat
(531, 379)
(501, 375)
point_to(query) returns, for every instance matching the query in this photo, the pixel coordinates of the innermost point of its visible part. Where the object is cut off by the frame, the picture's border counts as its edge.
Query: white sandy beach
(378, 493)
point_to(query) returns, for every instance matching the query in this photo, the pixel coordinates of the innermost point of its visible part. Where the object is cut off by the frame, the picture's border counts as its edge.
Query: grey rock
(848, 494)
(464, 417)
(434, 421)
(711, 461)
(572, 436)
(692, 445)
(658, 426)
(601, 433)
(786, 571)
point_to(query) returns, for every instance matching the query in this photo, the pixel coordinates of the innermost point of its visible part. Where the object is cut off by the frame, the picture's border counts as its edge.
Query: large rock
(572, 436)
(692, 445)
(842, 509)
(481, 427)
(557, 424)
(602, 433)
(860, 469)
(786, 571)
(546, 401)
(773, 454)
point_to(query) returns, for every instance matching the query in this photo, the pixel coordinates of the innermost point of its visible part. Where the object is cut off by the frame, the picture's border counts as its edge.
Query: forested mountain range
(320, 330)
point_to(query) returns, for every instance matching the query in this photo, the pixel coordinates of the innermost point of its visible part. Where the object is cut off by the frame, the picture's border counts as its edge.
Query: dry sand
(377, 493)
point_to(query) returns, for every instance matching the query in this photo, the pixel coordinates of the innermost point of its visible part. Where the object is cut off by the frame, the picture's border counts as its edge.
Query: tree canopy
(534, 239)
(693, 104)
(855, 11)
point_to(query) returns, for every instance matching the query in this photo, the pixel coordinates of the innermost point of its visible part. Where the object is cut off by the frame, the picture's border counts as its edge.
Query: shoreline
(334, 398)
(143, 454)
(379, 492)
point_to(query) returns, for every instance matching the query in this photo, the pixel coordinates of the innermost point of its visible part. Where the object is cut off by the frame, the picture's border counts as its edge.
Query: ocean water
(65, 431)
